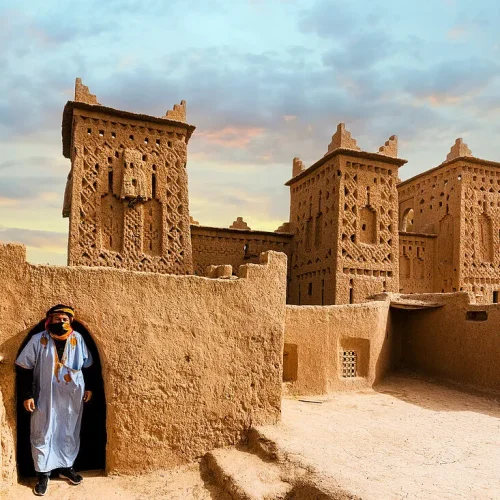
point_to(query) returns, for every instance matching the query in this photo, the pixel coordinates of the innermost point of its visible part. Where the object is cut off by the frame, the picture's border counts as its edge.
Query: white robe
(58, 395)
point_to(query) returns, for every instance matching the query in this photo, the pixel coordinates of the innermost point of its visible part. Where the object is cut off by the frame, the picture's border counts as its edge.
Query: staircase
(260, 471)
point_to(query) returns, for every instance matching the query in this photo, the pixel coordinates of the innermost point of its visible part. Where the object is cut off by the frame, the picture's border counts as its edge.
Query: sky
(264, 81)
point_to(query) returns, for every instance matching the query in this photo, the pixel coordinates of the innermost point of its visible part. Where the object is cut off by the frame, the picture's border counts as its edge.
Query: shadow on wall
(92, 454)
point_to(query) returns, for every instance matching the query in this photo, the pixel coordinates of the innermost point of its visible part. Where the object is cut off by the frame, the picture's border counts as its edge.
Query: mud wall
(219, 246)
(322, 341)
(459, 342)
(189, 363)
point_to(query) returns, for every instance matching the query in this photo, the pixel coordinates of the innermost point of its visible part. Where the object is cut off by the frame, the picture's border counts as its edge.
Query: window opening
(349, 361)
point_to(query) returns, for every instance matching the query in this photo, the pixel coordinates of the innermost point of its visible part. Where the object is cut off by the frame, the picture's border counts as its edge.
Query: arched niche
(407, 220)
(92, 455)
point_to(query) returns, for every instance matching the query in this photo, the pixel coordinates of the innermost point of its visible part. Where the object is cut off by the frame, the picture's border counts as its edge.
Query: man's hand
(29, 405)
(86, 396)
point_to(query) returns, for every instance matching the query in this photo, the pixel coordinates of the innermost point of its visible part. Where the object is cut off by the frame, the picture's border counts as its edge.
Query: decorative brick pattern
(127, 194)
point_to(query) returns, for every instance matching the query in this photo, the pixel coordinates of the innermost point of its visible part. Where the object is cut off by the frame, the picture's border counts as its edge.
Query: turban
(61, 309)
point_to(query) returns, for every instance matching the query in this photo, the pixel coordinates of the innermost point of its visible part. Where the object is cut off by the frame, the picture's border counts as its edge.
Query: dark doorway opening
(92, 455)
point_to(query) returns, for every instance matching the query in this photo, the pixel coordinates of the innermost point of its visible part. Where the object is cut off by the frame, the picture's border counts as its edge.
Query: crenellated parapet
(459, 149)
(342, 139)
(390, 148)
(239, 223)
(297, 166)
(82, 93)
(178, 113)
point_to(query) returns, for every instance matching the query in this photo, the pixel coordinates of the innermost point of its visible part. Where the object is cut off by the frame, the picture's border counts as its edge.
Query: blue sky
(264, 81)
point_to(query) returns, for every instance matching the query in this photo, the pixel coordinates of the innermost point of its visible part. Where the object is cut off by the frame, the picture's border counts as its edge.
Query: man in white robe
(56, 358)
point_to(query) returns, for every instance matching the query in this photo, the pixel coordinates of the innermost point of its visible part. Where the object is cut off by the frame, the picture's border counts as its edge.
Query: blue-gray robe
(58, 395)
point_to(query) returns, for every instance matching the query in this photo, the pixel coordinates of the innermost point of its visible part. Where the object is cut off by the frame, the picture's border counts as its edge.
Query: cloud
(47, 240)
(457, 32)
(450, 81)
(328, 19)
(361, 52)
(23, 189)
(231, 137)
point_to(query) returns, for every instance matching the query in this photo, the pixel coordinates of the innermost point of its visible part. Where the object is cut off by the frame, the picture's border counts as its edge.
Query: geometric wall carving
(485, 238)
(127, 193)
(344, 217)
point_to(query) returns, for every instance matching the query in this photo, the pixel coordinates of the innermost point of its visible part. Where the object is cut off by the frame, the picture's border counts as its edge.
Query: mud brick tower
(127, 191)
(344, 216)
(450, 227)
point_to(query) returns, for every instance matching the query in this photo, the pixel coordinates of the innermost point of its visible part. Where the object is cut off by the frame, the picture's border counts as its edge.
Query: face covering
(59, 328)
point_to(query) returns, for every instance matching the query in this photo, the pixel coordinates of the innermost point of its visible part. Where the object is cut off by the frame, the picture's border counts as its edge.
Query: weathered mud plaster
(189, 363)
(318, 336)
(459, 342)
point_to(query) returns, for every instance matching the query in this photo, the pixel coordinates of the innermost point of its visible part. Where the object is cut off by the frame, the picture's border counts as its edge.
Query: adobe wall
(7, 456)
(480, 230)
(443, 343)
(435, 198)
(316, 338)
(368, 258)
(416, 262)
(219, 246)
(315, 226)
(189, 363)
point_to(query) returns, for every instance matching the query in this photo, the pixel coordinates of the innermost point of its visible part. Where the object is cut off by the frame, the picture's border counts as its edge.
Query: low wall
(459, 342)
(320, 339)
(218, 246)
(189, 363)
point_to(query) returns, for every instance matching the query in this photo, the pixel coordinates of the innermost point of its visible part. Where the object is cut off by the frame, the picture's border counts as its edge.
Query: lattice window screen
(349, 363)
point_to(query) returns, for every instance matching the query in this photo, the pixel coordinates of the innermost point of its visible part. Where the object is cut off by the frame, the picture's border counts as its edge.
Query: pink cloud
(457, 32)
(442, 99)
(231, 137)
(8, 202)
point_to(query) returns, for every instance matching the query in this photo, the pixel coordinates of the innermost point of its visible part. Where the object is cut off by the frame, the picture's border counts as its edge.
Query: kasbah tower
(344, 216)
(127, 192)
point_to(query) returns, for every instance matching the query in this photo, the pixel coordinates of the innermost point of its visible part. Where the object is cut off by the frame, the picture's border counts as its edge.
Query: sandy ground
(182, 483)
(410, 439)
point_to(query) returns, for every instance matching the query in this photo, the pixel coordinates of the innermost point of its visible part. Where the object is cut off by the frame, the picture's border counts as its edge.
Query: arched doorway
(92, 455)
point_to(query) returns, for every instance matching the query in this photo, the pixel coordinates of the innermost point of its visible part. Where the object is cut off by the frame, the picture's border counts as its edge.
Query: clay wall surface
(7, 456)
(459, 202)
(127, 192)
(480, 231)
(368, 257)
(314, 225)
(435, 198)
(345, 222)
(218, 246)
(416, 262)
(318, 337)
(459, 342)
(189, 363)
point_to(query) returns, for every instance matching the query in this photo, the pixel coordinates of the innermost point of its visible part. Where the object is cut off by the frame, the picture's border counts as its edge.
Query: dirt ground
(410, 439)
(182, 483)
